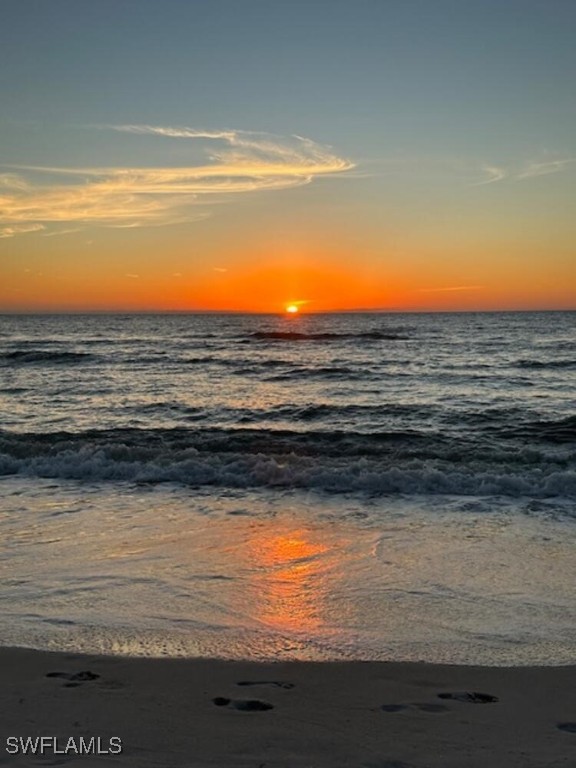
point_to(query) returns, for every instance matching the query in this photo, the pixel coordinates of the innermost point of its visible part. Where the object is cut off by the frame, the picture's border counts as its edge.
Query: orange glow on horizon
(329, 281)
(327, 285)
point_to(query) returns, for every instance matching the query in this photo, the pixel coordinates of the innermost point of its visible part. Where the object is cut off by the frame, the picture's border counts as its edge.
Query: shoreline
(285, 714)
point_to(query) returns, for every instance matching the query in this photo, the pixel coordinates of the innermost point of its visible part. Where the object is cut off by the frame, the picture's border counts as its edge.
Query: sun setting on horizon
(231, 191)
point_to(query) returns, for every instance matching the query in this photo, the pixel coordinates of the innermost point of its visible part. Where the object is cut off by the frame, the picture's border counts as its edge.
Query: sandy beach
(178, 712)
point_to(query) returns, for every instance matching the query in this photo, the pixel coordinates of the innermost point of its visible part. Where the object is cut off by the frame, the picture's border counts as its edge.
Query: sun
(292, 309)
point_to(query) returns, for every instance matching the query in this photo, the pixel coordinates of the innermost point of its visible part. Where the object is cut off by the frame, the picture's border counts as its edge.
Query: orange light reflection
(290, 581)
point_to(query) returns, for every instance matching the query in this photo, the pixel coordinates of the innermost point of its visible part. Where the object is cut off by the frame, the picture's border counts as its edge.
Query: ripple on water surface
(238, 574)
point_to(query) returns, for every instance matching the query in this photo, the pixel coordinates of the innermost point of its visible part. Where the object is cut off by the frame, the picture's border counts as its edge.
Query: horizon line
(365, 311)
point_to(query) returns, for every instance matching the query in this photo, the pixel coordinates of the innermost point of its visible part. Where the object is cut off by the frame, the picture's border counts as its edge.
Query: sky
(247, 155)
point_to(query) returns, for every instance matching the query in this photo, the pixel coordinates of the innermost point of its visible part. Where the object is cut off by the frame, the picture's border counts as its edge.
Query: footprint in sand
(568, 727)
(471, 697)
(423, 707)
(272, 683)
(243, 705)
(74, 679)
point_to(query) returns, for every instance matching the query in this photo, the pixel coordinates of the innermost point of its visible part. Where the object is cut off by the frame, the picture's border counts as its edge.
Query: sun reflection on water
(290, 579)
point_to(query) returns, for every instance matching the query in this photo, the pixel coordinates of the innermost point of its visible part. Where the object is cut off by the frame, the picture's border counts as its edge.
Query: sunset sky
(189, 155)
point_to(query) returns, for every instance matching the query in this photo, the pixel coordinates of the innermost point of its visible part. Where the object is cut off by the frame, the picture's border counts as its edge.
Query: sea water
(352, 486)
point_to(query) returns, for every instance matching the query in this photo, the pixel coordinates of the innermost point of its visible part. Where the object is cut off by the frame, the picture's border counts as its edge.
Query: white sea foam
(235, 470)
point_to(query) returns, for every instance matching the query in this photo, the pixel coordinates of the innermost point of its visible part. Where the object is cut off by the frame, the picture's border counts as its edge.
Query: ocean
(336, 486)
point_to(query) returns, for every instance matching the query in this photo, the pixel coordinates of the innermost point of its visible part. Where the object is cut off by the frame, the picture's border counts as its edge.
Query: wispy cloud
(12, 181)
(544, 168)
(19, 229)
(531, 169)
(234, 162)
(492, 173)
(67, 231)
(452, 288)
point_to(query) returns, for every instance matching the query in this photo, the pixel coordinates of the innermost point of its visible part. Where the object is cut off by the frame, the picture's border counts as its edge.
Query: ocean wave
(553, 431)
(44, 356)
(388, 463)
(488, 416)
(322, 411)
(337, 372)
(295, 336)
(554, 364)
(556, 345)
(288, 412)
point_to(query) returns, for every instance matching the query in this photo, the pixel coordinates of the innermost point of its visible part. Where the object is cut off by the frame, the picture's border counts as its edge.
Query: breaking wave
(384, 463)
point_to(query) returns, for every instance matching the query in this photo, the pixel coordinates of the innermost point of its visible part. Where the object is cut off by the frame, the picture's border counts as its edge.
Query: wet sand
(178, 712)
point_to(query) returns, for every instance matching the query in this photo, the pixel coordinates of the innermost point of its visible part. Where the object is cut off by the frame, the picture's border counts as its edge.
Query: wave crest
(386, 463)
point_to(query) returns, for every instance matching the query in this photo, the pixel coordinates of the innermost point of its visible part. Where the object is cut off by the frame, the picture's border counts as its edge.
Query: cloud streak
(232, 163)
(452, 288)
(545, 168)
(20, 229)
(495, 173)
